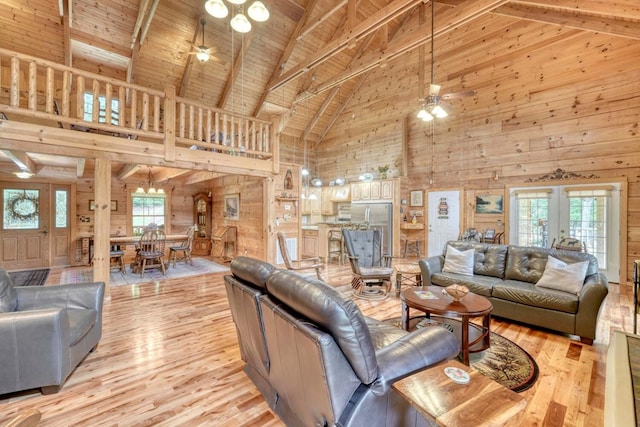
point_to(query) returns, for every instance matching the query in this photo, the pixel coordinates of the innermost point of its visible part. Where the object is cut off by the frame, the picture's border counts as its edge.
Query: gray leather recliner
(45, 332)
(316, 359)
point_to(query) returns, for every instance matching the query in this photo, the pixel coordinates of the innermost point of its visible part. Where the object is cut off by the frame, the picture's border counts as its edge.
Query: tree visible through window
(102, 109)
(147, 209)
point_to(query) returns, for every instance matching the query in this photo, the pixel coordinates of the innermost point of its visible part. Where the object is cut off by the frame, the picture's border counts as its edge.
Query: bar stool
(118, 255)
(336, 245)
(412, 247)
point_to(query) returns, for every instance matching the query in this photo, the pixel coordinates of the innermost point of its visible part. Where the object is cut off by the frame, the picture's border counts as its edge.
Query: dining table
(116, 241)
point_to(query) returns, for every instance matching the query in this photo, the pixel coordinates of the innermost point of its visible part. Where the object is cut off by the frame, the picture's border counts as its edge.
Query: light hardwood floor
(169, 357)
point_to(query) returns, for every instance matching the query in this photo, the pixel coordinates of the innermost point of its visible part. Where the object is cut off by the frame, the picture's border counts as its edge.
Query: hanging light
(439, 112)
(202, 56)
(150, 188)
(240, 23)
(216, 8)
(304, 171)
(23, 174)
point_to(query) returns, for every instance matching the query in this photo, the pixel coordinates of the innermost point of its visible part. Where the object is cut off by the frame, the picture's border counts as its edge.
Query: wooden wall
(569, 101)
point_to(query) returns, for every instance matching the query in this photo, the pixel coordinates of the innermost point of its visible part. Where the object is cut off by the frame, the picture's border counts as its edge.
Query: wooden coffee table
(431, 300)
(481, 402)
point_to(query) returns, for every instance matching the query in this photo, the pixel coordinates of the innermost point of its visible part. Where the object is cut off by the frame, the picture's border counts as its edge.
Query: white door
(443, 220)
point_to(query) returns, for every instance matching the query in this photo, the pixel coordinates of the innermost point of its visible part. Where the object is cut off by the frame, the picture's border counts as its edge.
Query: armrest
(593, 293)
(429, 266)
(81, 295)
(412, 353)
(386, 260)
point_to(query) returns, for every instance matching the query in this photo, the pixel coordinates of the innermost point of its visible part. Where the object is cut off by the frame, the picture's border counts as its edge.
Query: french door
(590, 213)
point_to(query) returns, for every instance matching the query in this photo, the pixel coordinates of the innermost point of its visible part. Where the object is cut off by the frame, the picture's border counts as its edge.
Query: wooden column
(269, 220)
(101, 228)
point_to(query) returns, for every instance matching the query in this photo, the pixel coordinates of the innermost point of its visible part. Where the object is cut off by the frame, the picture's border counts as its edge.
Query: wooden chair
(185, 248)
(26, 418)
(151, 249)
(371, 269)
(117, 254)
(304, 264)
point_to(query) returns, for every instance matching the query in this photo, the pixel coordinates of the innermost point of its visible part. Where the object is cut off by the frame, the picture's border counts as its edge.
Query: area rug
(116, 278)
(36, 277)
(504, 362)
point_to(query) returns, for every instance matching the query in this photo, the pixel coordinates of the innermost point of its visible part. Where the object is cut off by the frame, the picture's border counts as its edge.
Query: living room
(553, 104)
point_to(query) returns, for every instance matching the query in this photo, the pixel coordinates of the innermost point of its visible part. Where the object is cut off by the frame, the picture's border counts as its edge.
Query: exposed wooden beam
(581, 21)
(352, 18)
(236, 69)
(21, 159)
(66, 32)
(166, 174)
(198, 177)
(186, 74)
(628, 9)
(80, 165)
(369, 25)
(320, 112)
(148, 19)
(127, 170)
(286, 53)
(136, 28)
(448, 21)
(321, 19)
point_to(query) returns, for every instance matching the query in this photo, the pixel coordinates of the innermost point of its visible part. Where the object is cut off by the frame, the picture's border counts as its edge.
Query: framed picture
(232, 207)
(489, 204)
(92, 205)
(416, 198)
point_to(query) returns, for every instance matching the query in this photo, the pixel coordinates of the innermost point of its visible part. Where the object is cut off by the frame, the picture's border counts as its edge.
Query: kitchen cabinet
(373, 191)
(309, 243)
(341, 193)
(312, 201)
(327, 206)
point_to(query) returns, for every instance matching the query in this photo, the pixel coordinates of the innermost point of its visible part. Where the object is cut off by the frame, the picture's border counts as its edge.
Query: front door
(443, 220)
(25, 225)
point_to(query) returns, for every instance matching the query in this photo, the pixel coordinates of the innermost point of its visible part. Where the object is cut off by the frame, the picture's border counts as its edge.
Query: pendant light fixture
(150, 188)
(240, 23)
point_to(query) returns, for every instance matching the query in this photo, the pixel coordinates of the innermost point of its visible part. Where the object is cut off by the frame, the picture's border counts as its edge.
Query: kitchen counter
(308, 227)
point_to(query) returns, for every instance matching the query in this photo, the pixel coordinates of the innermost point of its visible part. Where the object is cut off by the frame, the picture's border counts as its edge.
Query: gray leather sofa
(316, 359)
(45, 332)
(507, 275)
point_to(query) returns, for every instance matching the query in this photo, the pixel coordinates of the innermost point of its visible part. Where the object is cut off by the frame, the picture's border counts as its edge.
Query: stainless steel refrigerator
(377, 216)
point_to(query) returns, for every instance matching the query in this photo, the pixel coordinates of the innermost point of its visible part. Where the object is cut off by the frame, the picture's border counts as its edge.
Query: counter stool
(412, 247)
(336, 246)
(118, 255)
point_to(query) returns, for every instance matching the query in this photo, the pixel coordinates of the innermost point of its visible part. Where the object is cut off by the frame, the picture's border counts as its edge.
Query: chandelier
(150, 188)
(240, 23)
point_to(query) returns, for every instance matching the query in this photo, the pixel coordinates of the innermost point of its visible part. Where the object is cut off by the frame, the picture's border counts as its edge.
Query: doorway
(35, 225)
(443, 221)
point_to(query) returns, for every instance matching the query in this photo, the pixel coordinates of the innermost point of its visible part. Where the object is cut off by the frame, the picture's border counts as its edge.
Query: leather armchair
(45, 332)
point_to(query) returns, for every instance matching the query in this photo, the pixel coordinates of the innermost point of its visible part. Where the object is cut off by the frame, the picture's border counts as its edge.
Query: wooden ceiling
(305, 63)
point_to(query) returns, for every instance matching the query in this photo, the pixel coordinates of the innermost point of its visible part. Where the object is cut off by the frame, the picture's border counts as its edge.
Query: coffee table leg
(486, 323)
(405, 316)
(398, 283)
(465, 340)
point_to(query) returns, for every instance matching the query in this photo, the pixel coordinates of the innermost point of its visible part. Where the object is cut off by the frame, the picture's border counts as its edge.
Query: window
(532, 207)
(61, 208)
(102, 109)
(147, 209)
(21, 209)
(588, 219)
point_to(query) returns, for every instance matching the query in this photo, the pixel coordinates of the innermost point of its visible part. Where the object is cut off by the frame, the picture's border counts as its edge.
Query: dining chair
(185, 248)
(301, 265)
(151, 249)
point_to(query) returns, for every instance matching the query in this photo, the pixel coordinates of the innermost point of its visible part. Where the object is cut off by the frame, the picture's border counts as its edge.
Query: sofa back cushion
(8, 297)
(527, 264)
(489, 259)
(252, 270)
(332, 312)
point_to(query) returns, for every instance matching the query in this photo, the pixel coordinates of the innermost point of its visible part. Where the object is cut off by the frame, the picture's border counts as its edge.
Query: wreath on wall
(23, 207)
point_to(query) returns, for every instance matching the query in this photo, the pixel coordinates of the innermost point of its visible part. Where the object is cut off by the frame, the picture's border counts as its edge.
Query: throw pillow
(565, 277)
(460, 262)
(8, 297)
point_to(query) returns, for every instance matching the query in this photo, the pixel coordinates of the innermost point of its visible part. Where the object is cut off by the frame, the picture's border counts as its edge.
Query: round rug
(504, 362)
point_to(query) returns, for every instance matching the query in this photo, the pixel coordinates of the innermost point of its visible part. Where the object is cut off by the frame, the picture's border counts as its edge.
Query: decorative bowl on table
(457, 292)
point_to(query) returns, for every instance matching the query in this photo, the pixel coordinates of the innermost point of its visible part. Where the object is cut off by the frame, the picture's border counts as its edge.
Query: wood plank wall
(569, 101)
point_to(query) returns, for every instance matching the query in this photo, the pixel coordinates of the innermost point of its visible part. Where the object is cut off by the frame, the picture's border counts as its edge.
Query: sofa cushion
(489, 259)
(80, 323)
(562, 276)
(8, 296)
(526, 264)
(331, 311)
(252, 270)
(481, 285)
(529, 294)
(459, 262)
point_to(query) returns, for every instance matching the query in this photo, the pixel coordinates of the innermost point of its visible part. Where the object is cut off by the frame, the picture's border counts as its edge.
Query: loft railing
(41, 91)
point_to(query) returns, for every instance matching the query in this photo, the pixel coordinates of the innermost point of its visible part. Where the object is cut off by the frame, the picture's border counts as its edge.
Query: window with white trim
(147, 209)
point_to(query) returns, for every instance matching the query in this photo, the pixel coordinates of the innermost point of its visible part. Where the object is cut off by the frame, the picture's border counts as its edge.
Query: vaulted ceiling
(305, 63)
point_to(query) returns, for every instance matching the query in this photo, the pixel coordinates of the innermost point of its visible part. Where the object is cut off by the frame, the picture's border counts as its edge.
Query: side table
(408, 274)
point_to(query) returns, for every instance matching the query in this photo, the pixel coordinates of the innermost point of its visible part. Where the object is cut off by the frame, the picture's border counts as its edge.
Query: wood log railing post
(170, 123)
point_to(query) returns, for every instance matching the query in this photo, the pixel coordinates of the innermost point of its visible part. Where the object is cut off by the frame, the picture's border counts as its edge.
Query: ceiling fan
(202, 52)
(430, 105)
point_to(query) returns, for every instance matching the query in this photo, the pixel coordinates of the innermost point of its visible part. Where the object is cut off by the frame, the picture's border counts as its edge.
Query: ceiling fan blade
(459, 94)
(218, 60)
(434, 90)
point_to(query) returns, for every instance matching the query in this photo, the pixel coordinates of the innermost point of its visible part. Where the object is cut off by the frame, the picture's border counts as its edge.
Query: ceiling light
(313, 196)
(216, 8)
(238, 2)
(339, 181)
(304, 171)
(240, 23)
(202, 56)
(23, 174)
(439, 112)
(258, 12)
(140, 190)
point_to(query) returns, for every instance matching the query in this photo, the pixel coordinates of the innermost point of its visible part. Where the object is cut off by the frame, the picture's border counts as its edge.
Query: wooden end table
(431, 300)
(407, 274)
(481, 402)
